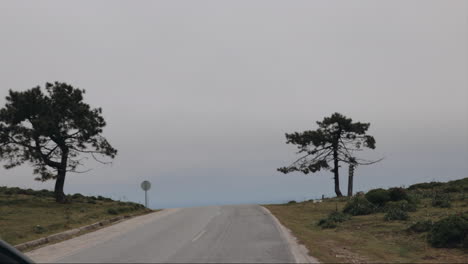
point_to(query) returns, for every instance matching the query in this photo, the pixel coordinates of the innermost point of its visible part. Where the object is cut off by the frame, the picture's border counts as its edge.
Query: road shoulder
(299, 252)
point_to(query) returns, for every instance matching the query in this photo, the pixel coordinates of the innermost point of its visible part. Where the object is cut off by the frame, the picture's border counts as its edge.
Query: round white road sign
(146, 185)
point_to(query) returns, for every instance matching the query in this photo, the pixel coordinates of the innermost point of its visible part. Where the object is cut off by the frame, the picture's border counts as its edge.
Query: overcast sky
(198, 94)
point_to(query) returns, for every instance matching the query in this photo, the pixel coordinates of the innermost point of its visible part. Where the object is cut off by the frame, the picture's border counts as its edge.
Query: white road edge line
(299, 252)
(199, 235)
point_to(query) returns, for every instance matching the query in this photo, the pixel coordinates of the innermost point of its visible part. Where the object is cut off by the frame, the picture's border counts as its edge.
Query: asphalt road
(241, 233)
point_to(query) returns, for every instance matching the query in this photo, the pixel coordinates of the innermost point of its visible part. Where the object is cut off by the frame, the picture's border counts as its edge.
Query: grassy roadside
(26, 215)
(369, 238)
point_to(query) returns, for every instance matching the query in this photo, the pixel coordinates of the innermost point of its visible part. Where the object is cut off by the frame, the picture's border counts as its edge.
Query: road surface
(240, 233)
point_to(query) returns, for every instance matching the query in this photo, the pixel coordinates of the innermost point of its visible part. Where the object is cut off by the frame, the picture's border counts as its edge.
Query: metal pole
(146, 200)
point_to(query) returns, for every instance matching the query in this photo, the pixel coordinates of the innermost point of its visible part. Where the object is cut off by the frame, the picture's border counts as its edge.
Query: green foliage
(378, 197)
(333, 219)
(332, 142)
(450, 232)
(15, 190)
(359, 206)
(292, 202)
(39, 229)
(452, 189)
(396, 214)
(421, 226)
(112, 211)
(46, 128)
(425, 185)
(401, 205)
(398, 194)
(101, 198)
(441, 200)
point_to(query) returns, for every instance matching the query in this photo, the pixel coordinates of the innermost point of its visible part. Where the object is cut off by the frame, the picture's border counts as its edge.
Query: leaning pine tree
(334, 142)
(52, 131)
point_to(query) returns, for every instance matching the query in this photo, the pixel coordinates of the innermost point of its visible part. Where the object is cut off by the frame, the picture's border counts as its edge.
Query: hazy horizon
(198, 95)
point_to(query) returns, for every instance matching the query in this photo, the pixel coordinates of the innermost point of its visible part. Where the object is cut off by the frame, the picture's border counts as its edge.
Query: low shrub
(12, 190)
(452, 189)
(39, 229)
(292, 202)
(401, 205)
(359, 205)
(441, 200)
(91, 201)
(325, 223)
(378, 197)
(77, 196)
(26, 191)
(398, 194)
(396, 214)
(125, 209)
(112, 211)
(414, 197)
(45, 193)
(421, 226)
(333, 219)
(450, 232)
(425, 185)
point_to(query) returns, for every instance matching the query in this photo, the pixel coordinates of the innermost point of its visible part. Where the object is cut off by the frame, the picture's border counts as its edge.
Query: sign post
(146, 185)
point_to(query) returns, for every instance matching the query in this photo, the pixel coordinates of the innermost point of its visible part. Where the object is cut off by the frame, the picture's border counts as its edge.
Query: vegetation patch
(450, 232)
(396, 214)
(421, 226)
(333, 219)
(27, 215)
(441, 200)
(398, 194)
(402, 205)
(378, 197)
(359, 205)
(434, 235)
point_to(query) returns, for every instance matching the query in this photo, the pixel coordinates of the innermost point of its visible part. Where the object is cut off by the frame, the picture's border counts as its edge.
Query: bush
(39, 229)
(441, 200)
(401, 205)
(398, 194)
(396, 214)
(378, 197)
(325, 223)
(425, 185)
(91, 201)
(26, 191)
(77, 196)
(112, 211)
(414, 197)
(359, 206)
(452, 189)
(45, 193)
(421, 226)
(450, 232)
(13, 190)
(333, 219)
(292, 202)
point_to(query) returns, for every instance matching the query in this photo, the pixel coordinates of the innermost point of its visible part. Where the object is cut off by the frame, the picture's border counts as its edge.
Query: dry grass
(367, 238)
(19, 214)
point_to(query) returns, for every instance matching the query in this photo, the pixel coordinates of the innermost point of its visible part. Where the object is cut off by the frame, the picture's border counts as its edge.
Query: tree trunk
(350, 180)
(59, 183)
(336, 172)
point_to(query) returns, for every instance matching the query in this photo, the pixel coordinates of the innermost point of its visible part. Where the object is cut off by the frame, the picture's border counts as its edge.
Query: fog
(199, 94)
